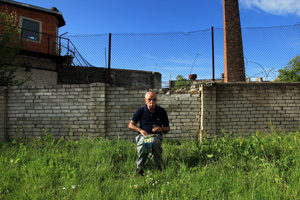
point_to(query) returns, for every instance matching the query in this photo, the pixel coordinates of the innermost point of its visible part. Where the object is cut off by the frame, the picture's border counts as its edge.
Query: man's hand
(159, 129)
(132, 126)
(143, 132)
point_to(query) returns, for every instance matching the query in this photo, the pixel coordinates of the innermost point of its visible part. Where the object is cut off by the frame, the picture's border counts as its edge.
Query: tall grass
(263, 166)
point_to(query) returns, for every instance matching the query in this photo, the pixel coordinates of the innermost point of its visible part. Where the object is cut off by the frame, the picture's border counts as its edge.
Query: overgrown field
(264, 166)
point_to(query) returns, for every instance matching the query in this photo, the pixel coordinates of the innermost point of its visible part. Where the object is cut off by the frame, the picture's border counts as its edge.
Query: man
(153, 120)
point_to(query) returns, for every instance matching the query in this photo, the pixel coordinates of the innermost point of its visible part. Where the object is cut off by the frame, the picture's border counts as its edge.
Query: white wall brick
(106, 111)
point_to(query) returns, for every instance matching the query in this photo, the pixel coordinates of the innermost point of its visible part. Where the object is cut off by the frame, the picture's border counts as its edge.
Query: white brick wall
(246, 108)
(98, 110)
(2, 112)
(60, 109)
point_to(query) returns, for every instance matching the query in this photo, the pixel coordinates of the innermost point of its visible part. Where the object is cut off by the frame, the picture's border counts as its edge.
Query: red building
(38, 26)
(49, 59)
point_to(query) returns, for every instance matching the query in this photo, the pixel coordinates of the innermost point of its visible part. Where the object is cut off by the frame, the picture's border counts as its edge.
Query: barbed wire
(140, 34)
(264, 73)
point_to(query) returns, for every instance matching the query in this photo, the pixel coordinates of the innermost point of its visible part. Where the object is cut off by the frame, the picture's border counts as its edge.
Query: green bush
(181, 82)
(291, 72)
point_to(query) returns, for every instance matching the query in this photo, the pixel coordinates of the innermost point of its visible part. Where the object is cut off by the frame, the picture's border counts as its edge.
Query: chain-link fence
(266, 49)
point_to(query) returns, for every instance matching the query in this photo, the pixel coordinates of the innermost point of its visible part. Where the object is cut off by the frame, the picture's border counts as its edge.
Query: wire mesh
(266, 49)
(170, 54)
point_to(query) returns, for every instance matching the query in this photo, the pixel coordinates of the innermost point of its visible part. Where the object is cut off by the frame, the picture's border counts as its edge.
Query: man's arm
(132, 126)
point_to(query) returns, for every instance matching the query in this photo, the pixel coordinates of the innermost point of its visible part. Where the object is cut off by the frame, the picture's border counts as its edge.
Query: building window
(31, 29)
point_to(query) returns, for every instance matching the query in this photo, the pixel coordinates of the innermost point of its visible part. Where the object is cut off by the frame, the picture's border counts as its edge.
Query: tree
(291, 72)
(181, 82)
(10, 47)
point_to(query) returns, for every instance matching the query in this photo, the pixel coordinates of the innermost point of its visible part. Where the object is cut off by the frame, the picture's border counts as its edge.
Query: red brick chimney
(234, 69)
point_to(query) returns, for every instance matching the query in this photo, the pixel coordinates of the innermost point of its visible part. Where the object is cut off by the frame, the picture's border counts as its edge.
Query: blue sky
(140, 16)
(271, 50)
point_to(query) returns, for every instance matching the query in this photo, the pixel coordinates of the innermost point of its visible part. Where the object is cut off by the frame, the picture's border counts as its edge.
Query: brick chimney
(234, 69)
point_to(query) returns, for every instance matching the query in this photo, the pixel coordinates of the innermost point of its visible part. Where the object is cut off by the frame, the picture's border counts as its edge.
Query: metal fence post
(213, 53)
(109, 57)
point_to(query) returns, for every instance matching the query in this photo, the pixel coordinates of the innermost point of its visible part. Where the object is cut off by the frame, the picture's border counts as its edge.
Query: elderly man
(153, 120)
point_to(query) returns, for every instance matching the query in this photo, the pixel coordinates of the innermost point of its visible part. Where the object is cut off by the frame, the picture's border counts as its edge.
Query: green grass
(264, 166)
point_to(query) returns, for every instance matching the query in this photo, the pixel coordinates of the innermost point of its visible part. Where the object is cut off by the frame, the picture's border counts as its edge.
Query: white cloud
(280, 7)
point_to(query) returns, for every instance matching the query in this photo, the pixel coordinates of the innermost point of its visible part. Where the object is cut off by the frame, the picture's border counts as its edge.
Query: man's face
(151, 100)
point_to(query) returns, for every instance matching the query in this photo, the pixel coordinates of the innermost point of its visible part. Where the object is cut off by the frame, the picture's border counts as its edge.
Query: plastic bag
(147, 144)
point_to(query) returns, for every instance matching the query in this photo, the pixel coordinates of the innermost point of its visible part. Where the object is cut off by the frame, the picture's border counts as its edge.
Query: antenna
(197, 54)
